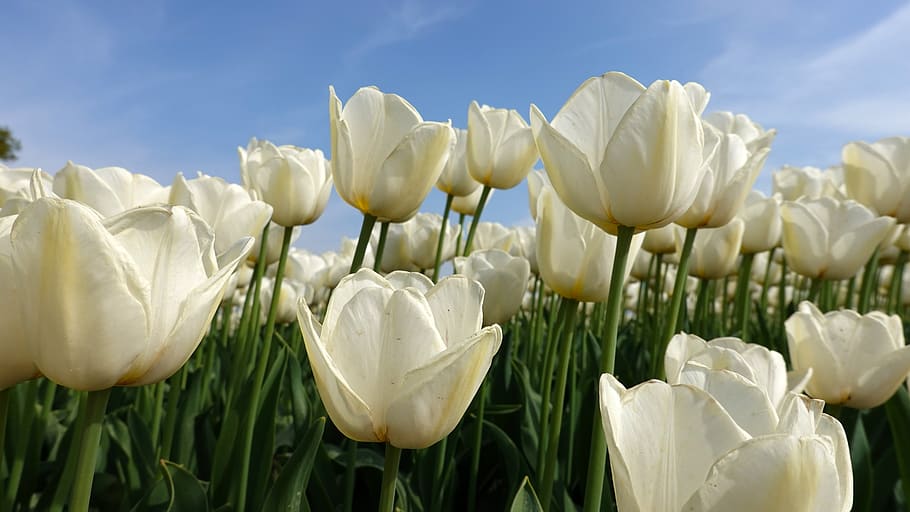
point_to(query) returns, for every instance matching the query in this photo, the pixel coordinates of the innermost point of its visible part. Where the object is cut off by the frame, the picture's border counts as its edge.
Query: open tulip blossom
(399, 365)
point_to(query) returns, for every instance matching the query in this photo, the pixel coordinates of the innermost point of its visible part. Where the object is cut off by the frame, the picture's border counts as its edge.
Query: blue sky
(164, 86)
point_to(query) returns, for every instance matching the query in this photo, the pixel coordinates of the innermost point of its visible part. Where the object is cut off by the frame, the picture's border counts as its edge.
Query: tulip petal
(456, 303)
(662, 441)
(347, 288)
(410, 171)
(350, 414)
(194, 317)
(433, 398)
(805, 240)
(15, 360)
(79, 183)
(655, 152)
(84, 303)
(744, 401)
(777, 472)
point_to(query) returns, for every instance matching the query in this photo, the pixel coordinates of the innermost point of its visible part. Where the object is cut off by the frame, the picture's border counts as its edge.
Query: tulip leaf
(289, 491)
(299, 409)
(526, 499)
(861, 455)
(187, 493)
(264, 431)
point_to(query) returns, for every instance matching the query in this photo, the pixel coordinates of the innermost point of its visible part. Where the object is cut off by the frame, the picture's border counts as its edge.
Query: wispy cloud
(403, 21)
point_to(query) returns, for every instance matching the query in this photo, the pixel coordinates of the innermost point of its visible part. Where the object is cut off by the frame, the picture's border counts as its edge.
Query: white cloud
(405, 20)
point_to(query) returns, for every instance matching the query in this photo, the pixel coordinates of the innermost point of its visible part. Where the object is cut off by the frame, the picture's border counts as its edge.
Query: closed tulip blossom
(411, 245)
(721, 445)
(226, 207)
(878, 175)
(504, 278)
(15, 360)
(829, 239)
(399, 365)
(500, 147)
(575, 257)
(731, 172)
(761, 215)
(857, 360)
(793, 183)
(455, 179)
(386, 158)
(715, 251)
(493, 235)
(295, 181)
(116, 301)
(621, 154)
(109, 190)
(660, 240)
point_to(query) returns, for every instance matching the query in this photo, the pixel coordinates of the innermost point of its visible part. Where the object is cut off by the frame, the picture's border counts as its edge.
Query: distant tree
(8, 145)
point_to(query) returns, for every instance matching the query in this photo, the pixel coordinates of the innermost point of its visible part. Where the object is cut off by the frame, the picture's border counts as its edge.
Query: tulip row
(168, 349)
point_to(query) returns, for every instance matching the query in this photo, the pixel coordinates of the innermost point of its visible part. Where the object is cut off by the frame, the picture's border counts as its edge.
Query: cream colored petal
(747, 403)
(878, 382)
(456, 303)
(662, 441)
(79, 183)
(346, 289)
(480, 146)
(854, 238)
(810, 347)
(196, 311)
(832, 429)
(410, 171)
(870, 178)
(15, 360)
(589, 117)
(805, 240)
(514, 158)
(569, 172)
(350, 414)
(400, 279)
(84, 304)
(776, 472)
(435, 396)
(655, 153)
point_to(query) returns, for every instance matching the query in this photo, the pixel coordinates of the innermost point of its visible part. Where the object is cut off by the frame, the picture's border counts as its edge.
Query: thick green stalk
(88, 449)
(569, 313)
(460, 232)
(547, 380)
(743, 301)
(700, 317)
(676, 304)
(766, 282)
(349, 475)
(868, 286)
(658, 290)
(380, 246)
(170, 419)
(65, 482)
(28, 393)
(442, 236)
(366, 229)
(474, 221)
(212, 349)
(895, 291)
(389, 478)
(814, 290)
(157, 412)
(782, 301)
(597, 460)
(4, 409)
(476, 444)
(259, 376)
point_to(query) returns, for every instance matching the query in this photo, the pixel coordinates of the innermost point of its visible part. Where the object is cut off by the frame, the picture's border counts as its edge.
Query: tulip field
(665, 337)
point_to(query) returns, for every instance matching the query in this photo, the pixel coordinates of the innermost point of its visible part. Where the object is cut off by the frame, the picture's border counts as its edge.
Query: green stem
(366, 229)
(569, 313)
(700, 317)
(866, 289)
(814, 290)
(170, 419)
(157, 412)
(389, 478)
(895, 291)
(212, 348)
(676, 304)
(476, 444)
(782, 301)
(547, 379)
(65, 481)
(25, 423)
(460, 231)
(658, 288)
(442, 236)
(767, 280)
(259, 376)
(484, 194)
(743, 301)
(4, 409)
(349, 475)
(851, 289)
(88, 449)
(380, 247)
(597, 459)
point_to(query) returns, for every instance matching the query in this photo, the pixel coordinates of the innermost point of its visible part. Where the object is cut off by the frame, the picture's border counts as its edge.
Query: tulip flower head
(504, 278)
(500, 147)
(621, 154)
(386, 158)
(857, 360)
(397, 364)
(878, 175)
(122, 300)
